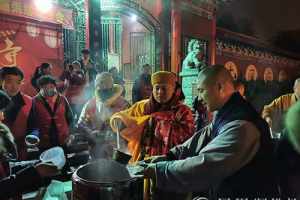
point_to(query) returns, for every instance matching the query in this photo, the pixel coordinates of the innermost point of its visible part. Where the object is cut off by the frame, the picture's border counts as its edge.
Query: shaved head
(215, 73)
(297, 81)
(297, 87)
(215, 86)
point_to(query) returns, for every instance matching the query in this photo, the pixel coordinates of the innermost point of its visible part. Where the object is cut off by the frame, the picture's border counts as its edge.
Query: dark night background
(275, 21)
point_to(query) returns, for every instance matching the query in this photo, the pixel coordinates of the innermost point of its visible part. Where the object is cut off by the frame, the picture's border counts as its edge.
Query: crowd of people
(221, 148)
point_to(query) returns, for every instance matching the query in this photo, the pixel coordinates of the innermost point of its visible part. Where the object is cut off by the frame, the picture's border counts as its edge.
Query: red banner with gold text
(27, 44)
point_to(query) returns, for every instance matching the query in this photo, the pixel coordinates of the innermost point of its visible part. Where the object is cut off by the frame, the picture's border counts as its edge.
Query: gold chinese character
(28, 10)
(10, 53)
(16, 7)
(60, 17)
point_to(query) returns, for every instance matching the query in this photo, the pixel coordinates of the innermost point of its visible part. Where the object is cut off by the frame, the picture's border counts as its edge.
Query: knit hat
(104, 77)
(109, 94)
(163, 77)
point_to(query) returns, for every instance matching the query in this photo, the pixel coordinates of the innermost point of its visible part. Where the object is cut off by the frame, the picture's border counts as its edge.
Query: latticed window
(74, 40)
(111, 41)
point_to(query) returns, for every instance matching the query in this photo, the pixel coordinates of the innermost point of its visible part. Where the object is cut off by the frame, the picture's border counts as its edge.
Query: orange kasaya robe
(134, 119)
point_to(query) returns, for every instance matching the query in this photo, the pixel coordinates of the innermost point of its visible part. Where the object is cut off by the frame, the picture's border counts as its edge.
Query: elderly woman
(96, 113)
(155, 125)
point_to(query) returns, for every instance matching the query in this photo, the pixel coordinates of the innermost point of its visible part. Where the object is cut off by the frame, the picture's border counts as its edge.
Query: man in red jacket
(16, 115)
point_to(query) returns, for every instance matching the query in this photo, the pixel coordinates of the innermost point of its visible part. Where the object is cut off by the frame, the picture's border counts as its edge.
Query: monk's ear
(220, 86)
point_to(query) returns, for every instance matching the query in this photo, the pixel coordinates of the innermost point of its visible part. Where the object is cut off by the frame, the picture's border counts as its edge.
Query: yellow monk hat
(163, 77)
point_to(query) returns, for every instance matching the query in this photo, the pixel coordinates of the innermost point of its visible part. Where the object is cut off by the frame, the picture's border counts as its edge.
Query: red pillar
(213, 39)
(175, 37)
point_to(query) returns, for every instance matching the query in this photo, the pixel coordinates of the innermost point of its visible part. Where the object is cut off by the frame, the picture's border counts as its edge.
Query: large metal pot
(106, 180)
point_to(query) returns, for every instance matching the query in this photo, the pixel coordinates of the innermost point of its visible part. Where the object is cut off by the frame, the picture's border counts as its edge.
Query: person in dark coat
(16, 115)
(142, 87)
(27, 179)
(285, 86)
(118, 79)
(88, 66)
(43, 69)
(90, 71)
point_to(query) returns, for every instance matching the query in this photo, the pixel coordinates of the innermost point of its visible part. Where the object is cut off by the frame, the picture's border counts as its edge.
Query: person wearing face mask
(13, 185)
(16, 115)
(50, 114)
(96, 113)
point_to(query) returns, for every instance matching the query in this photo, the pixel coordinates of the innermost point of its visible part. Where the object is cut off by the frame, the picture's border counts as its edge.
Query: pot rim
(76, 177)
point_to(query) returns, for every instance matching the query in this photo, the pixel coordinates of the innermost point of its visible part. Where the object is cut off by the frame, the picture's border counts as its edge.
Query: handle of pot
(118, 134)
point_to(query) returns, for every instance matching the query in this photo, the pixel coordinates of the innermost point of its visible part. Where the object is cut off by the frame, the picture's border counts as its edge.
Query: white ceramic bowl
(54, 155)
(32, 140)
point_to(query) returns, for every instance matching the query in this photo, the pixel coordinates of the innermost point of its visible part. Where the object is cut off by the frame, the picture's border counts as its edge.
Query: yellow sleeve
(137, 109)
(276, 105)
(134, 120)
(134, 113)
